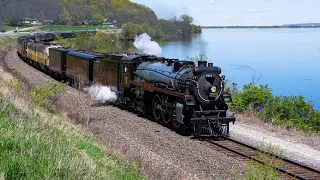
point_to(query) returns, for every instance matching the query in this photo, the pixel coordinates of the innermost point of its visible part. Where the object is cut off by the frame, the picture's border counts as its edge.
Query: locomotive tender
(188, 97)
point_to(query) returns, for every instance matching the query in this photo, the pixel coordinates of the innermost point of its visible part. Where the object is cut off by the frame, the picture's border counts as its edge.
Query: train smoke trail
(101, 94)
(143, 43)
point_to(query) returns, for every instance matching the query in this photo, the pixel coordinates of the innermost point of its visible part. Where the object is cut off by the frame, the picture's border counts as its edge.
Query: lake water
(288, 60)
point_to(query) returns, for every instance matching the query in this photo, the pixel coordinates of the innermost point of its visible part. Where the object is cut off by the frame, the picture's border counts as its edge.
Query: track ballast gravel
(293, 145)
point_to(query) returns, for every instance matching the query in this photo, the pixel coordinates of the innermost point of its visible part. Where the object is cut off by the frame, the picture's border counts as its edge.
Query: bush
(252, 97)
(42, 95)
(291, 111)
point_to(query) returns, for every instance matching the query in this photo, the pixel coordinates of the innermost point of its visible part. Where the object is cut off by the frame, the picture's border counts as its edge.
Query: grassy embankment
(11, 28)
(36, 143)
(43, 146)
(6, 40)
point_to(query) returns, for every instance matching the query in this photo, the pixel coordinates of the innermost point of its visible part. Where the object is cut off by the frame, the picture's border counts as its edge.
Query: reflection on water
(286, 59)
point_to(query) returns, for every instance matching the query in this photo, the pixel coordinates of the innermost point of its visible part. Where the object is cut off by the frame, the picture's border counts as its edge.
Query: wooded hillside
(75, 12)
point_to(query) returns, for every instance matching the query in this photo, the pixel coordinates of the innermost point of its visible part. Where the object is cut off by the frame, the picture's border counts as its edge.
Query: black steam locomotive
(188, 97)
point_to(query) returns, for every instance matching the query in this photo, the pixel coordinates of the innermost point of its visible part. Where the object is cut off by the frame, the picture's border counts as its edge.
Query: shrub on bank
(252, 97)
(291, 111)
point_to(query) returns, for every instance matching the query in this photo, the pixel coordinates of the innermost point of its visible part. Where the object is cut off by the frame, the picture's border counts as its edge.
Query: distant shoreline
(260, 27)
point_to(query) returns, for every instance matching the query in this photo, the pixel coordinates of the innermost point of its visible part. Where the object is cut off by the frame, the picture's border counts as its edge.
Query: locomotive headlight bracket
(227, 98)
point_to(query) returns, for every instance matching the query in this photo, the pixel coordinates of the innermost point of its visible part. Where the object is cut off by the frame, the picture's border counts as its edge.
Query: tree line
(162, 28)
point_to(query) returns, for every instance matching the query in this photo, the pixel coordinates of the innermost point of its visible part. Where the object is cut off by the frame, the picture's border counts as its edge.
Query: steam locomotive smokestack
(202, 63)
(210, 64)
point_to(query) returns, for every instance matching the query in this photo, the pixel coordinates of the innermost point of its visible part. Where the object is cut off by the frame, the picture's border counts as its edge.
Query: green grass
(256, 170)
(7, 40)
(42, 146)
(32, 30)
(74, 28)
(11, 28)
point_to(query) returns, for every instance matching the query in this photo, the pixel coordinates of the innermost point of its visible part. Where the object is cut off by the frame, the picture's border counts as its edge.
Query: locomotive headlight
(213, 89)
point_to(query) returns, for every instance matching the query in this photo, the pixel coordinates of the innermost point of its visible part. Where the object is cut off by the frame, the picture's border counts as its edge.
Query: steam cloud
(143, 43)
(101, 94)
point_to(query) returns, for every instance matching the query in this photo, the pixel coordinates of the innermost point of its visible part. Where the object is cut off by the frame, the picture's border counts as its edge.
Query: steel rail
(285, 160)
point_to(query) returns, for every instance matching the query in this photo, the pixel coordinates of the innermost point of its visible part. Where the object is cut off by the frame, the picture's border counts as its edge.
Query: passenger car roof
(85, 55)
(129, 57)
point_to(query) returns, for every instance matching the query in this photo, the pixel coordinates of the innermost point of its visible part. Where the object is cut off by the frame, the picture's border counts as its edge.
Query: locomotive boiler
(187, 96)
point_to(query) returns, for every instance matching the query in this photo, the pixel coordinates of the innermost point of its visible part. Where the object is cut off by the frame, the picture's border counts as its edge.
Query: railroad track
(289, 169)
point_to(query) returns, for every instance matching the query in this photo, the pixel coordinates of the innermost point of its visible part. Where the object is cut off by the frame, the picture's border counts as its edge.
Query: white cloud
(212, 1)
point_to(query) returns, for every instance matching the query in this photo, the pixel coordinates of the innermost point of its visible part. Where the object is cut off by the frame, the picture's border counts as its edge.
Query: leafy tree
(129, 30)
(196, 29)
(97, 19)
(109, 15)
(76, 19)
(140, 29)
(186, 19)
(64, 16)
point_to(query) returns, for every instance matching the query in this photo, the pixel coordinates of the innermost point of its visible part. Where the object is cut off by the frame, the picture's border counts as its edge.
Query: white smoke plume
(101, 94)
(143, 43)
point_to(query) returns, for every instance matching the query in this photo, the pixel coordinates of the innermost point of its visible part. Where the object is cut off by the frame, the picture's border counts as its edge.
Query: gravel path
(294, 145)
(160, 152)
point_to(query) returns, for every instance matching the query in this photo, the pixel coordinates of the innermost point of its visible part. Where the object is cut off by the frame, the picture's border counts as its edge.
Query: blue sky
(238, 12)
